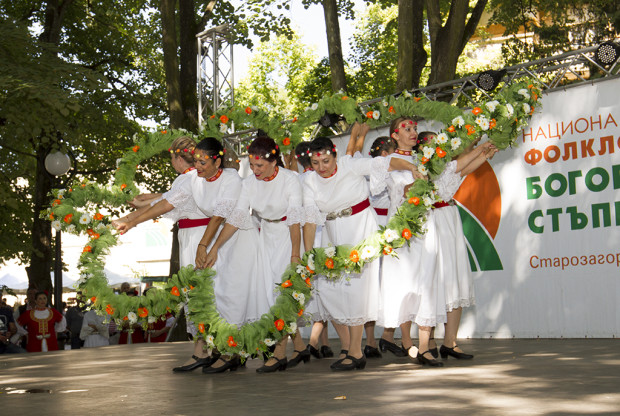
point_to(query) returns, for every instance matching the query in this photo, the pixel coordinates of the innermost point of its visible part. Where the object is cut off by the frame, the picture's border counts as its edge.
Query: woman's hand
(122, 227)
(417, 175)
(201, 257)
(140, 200)
(295, 259)
(211, 258)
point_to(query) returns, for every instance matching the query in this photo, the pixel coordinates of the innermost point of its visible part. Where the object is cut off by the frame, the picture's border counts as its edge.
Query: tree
(412, 56)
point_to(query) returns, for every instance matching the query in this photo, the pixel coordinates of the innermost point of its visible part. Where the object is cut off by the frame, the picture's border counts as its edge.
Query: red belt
(360, 207)
(187, 223)
(381, 211)
(440, 204)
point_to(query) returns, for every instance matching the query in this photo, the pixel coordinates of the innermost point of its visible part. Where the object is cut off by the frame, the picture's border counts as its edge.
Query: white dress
(354, 299)
(270, 201)
(453, 270)
(237, 259)
(95, 337)
(409, 287)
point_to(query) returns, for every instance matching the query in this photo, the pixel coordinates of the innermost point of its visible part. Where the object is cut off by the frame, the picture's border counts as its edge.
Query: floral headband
(215, 156)
(327, 152)
(405, 124)
(266, 155)
(376, 148)
(179, 150)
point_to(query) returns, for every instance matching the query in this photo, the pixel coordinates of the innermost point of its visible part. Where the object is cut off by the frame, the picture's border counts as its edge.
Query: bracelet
(204, 245)
(295, 257)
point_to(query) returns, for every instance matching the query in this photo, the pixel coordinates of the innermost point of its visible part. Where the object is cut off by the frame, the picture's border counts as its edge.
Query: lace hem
(349, 321)
(224, 208)
(430, 321)
(448, 182)
(314, 215)
(156, 200)
(461, 303)
(395, 324)
(240, 219)
(379, 174)
(295, 215)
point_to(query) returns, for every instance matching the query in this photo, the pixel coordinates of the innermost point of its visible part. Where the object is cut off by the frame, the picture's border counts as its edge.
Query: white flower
(510, 109)
(71, 228)
(427, 200)
(385, 103)
(56, 225)
(269, 342)
(492, 105)
(85, 219)
(525, 93)
(314, 106)
(244, 354)
(61, 193)
(456, 143)
(441, 138)
(210, 341)
(368, 252)
(483, 122)
(308, 108)
(118, 162)
(330, 251)
(292, 327)
(299, 297)
(458, 121)
(407, 94)
(223, 128)
(428, 151)
(132, 317)
(422, 169)
(311, 261)
(390, 235)
(100, 226)
(376, 115)
(151, 319)
(526, 108)
(300, 269)
(254, 108)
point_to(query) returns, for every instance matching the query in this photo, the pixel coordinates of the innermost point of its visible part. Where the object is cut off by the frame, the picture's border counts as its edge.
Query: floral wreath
(76, 210)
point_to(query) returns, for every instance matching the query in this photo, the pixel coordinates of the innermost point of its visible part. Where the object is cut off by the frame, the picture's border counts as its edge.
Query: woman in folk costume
(42, 323)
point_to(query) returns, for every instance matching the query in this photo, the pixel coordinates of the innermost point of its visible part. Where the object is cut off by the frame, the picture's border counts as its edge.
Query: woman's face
(407, 135)
(206, 167)
(41, 301)
(178, 163)
(323, 164)
(262, 168)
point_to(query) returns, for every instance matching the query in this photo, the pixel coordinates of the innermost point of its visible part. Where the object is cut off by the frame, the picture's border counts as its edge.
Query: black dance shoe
(425, 361)
(303, 355)
(391, 347)
(280, 365)
(371, 352)
(326, 351)
(356, 363)
(434, 352)
(231, 365)
(335, 363)
(445, 351)
(198, 362)
(313, 351)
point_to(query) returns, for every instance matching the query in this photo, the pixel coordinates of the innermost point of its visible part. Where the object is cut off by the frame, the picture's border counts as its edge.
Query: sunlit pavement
(506, 377)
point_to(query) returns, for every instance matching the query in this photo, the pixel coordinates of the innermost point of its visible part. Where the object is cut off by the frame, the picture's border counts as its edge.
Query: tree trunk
(54, 15)
(449, 40)
(188, 29)
(171, 62)
(411, 54)
(334, 45)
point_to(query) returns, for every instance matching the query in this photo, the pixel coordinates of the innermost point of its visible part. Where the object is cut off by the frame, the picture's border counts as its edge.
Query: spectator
(95, 330)
(74, 317)
(7, 330)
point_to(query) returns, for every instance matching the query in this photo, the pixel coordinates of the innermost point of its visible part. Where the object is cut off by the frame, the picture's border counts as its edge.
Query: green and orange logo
(480, 205)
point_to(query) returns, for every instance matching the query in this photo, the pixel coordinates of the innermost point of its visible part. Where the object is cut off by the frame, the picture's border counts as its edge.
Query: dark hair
(423, 138)
(322, 143)
(266, 148)
(396, 122)
(212, 147)
(183, 146)
(301, 152)
(380, 144)
(41, 292)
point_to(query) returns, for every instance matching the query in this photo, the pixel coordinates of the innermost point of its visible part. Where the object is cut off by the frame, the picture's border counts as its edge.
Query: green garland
(77, 211)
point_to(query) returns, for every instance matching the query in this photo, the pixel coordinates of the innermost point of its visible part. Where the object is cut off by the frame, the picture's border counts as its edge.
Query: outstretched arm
(355, 130)
(469, 162)
(478, 161)
(401, 164)
(149, 213)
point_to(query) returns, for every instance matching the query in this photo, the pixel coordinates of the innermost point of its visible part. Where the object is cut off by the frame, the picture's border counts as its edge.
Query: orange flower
(309, 270)
(143, 312)
(56, 202)
(406, 234)
(90, 232)
(424, 160)
(530, 86)
(93, 299)
(164, 131)
(231, 341)
(135, 148)
(391, 110)
(417, 99)
(109, 309)
(98, 216)
(175, 291)
(492, 123)
(52, 217)
(451, 129)
(294, 119)
(440, 152)
(123, 186)
(354, 256)
(344, 97)
(286, 141)
(301, 312)
(387, 250)
(68, 218)
(125, 318)
(369, 114)
(224, 119)
(476, 111)
(201, 328)
(248, 110)
(329, 263)
(191, 287)
(87, 249)
(414, 200)
(96, 236)
(535, 96)
(212, 116)
(287, 283)
(532, 110)
(308, 282)
(279, 324)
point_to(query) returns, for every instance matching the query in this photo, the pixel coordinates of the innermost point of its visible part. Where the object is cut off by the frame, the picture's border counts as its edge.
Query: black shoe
(445, 351)
(425, 361)
(280, 365)
(434, 352)
(356, 363)
(231, 365)
(303, 355)
(391, 347)
(315, 353)
(198, 362)
(326, 351)
(335, 363)
(371, 352)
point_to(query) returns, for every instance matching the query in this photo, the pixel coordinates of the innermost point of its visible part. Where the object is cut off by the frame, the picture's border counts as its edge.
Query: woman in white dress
(274, 195)
(336, 196)
(95, 330)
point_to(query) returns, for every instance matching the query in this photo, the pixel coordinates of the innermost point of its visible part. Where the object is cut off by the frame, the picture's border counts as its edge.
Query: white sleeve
(180, 192)
(295, 213)
(448, 182)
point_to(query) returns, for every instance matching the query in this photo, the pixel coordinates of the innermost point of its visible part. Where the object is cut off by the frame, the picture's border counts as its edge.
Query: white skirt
(453, 269)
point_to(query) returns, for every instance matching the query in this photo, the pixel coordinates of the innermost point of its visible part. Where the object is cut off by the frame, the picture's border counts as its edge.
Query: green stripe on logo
(480, 242)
